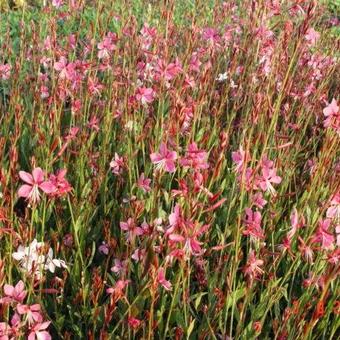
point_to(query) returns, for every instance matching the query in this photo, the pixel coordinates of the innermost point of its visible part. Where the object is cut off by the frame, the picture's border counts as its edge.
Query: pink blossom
(333, 210)
(57, 3)
(312, 36)
(267, 177)
(162, 281)
(32, 312)
(118, 288)
(131, 228)
(62, 186)
(119, 266)
(258, 200)
(195, 158)
(253, 269)
(104, 248)
(144, 183)
(165, 159)
(107, 45)
(145, 95)
(133, 322)
(38, 331)
(240, 158)
(323, 236)
(332, 115)
(253, 224)
(5, 71)
(117, 164)
(16, 293)
(35, 181)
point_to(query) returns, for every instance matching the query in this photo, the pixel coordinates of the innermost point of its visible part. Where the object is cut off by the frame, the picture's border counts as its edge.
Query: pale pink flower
(162, 281)
(165, 159)
(14, 294)
(32, 312)
(333, 211)
(57, 3)
(195, 158)
(38, 331)
(5, 71)
(312, 36)
(240, 158)
(117, 164)
(332, 115)
(144, 183)
(107, 45)
(131, 228)
(267, 177)
(119, 266)
(323, 236)
(145, 95)
(258, 200)
(35, 181)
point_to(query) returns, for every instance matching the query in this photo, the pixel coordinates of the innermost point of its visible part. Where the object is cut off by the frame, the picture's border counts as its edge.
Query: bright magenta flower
(35, 181)
(165, 159)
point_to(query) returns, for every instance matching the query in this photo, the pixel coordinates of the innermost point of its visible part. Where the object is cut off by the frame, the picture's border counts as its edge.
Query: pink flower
(332, 115)
(104, 248)
(107, 45)
(32, 312)
(61, 67)
(265, 180)
(57, 3)
(323, 236)
(333, 211)
(165, 158)
(119, 266)
(253, 224)
(144, 183)
(38, 331)
(16, 294)
(118, 288)
(62, 186)
(195, 158)
(162, 281)
(240, 158)
(5, 71)
(117, 165)
(258, 200)
(34, 183)
(252, 269)
(145, 95)
(312, 36)
(131, 228)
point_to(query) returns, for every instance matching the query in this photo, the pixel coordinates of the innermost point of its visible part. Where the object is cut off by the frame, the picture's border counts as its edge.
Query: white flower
(222, 77)
(33, 261)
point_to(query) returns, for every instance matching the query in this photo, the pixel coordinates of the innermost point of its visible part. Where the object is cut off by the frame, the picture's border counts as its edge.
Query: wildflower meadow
(169, 169)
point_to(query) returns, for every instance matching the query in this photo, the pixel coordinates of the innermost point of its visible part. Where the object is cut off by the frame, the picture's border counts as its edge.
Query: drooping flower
(165, 159)
(35, 181)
